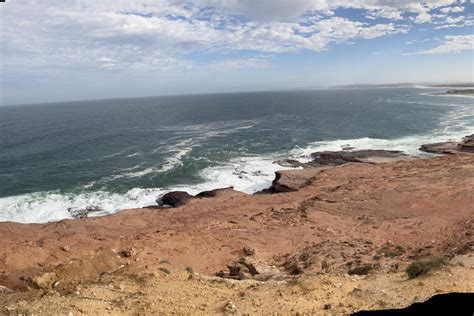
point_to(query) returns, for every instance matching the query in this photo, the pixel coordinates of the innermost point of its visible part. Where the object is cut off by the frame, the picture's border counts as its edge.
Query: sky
(59, 50)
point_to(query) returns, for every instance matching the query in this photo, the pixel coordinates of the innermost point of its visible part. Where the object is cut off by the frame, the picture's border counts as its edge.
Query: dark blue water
(124, 153)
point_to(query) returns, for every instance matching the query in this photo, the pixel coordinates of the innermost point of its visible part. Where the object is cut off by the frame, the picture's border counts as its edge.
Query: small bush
(391, 250)
(418, 268)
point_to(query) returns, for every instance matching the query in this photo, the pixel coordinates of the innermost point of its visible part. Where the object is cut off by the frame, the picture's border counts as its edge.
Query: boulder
(174, 198)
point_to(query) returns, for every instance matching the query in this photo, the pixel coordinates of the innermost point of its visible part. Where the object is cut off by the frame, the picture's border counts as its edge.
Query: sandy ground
(142, 289)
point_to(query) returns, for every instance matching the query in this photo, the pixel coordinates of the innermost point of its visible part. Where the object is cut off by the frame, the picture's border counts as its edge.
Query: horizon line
(445, 84)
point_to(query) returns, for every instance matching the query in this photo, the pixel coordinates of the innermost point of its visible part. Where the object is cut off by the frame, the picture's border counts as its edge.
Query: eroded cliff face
(338, 240)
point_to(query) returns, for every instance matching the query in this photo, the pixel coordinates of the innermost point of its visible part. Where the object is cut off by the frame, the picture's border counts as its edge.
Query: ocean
(124, 153)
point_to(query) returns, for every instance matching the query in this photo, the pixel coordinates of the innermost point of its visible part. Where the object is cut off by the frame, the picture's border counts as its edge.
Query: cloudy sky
(85, 49)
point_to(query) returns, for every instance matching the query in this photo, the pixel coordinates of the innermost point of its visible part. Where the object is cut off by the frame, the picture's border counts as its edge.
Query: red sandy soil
(369, 220)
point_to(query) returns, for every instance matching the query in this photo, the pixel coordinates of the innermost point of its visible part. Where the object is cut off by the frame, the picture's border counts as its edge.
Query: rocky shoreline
(349, 231)
(458, 92)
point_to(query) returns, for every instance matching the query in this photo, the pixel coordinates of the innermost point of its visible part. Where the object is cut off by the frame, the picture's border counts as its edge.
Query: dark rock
(248, 266)
(324, 265)
(277, 186)
(212, 193)
(239, 270)
(443, 148)
(174, 198)
(460, 92)
(450, 147)
(362, 269)
(290, 163)
(334, 158)
(265, 191)
(235, 271)
(83, 212)
(293, 180)
(467, 144)
(126, 253)
(292, 266)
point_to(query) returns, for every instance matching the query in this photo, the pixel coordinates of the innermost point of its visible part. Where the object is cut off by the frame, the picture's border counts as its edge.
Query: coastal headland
(348, 231)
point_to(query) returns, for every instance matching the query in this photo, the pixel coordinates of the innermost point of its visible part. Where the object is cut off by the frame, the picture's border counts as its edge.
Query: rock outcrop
(450, 147)
(293, 180)
(214, 193)
(174, 199)
(244, 269)
(180, 198)
(459, 92)
(467, 145)
(335, 158)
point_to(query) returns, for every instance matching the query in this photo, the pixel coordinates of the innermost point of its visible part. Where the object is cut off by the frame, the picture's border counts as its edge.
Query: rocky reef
(451, 147)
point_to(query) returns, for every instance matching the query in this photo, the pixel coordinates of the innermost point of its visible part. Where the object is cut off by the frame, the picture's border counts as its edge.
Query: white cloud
(161, 34)
(452, 22)
(285, 9)
(455, 9)
(451, 44)
(164, 34)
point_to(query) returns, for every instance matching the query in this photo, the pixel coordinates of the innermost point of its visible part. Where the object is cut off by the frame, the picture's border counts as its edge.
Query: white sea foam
(248, 174)
(180, 151)
(41, 207)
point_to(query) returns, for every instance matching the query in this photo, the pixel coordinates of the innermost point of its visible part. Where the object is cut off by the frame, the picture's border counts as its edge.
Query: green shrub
(418, 268)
